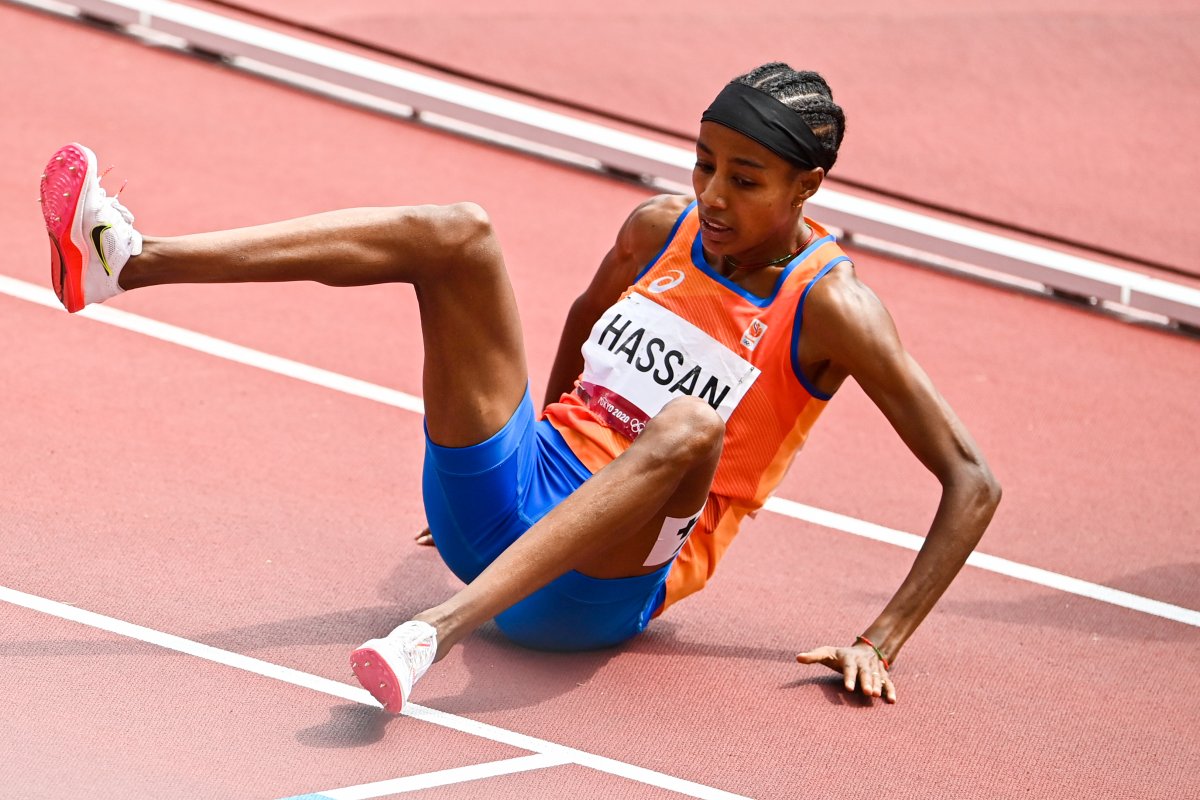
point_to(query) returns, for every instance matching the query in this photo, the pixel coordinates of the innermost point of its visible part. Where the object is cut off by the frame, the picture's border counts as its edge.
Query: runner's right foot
(91, 234)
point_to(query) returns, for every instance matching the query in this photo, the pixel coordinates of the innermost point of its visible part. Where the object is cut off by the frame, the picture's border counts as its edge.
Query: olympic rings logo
(637, 426)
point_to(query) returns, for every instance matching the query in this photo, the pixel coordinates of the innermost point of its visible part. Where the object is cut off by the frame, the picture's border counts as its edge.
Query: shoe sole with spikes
(62, 187)
(377, 677)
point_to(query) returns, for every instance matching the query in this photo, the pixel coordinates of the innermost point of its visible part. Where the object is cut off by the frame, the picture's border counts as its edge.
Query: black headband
(759, 116)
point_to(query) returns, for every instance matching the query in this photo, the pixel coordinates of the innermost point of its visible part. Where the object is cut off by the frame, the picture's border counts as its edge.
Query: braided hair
(808, 94)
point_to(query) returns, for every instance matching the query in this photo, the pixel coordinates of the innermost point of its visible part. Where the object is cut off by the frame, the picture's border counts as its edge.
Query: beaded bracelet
(871, 645)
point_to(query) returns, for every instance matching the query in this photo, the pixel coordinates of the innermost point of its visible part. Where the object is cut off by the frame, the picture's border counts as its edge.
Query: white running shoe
(91, 234)
(388, 667)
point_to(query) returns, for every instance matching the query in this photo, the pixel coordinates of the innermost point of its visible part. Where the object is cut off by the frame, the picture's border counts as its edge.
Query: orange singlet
(684, 329)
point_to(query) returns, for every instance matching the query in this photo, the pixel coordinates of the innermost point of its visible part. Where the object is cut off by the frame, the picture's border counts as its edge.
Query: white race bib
(671, 539)
(640, 356)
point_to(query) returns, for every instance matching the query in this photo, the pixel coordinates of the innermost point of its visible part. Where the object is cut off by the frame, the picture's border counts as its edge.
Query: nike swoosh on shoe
(97, 233)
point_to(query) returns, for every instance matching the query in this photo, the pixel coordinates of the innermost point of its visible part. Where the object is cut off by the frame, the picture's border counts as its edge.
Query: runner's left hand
(424, 538)
(860, 668)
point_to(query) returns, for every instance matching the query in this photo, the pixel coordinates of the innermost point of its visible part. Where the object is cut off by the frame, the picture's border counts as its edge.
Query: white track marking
(560, 753)
(789, 508)
(187, 646)
(219, 348)
(1003, 566)
(415, 783)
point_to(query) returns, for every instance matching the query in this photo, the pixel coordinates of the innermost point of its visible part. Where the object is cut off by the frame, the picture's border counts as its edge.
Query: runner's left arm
(860, 340)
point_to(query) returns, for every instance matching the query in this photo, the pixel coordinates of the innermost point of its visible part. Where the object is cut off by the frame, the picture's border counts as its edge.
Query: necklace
(757, 265)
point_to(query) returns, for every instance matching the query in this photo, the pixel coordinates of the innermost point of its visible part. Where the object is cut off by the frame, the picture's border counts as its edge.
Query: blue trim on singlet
(670, 238)
(702, 265)
(814, 391)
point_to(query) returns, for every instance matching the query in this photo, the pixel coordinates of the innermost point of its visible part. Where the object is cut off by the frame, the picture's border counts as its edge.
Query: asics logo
(97, 233)
(668, 281)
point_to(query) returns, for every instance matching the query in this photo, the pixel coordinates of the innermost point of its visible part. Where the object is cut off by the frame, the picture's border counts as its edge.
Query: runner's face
(747, 196)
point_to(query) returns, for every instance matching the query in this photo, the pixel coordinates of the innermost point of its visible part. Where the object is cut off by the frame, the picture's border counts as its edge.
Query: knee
(690, 429)
(464, 222)
(460, 234)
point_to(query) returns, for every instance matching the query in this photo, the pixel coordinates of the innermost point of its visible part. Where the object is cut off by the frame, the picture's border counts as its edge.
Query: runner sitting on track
(688, 374)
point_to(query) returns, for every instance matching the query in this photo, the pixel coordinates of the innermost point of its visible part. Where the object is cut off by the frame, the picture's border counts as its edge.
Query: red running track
(272, 518)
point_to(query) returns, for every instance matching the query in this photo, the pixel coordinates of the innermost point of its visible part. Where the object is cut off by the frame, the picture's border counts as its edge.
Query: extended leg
(449, 254)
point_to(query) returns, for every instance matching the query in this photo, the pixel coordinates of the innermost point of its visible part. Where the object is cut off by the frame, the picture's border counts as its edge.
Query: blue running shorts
(480, 499)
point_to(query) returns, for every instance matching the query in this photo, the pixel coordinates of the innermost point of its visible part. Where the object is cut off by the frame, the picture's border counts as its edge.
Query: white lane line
(1003, 566)
(415, 783)
(219, 348)
(789, 508)
(561, 753)
(187, 646)
(590, 760)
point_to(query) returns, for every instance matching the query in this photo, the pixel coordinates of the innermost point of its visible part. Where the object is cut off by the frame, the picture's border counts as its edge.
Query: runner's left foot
(91, 234)
(388, 667)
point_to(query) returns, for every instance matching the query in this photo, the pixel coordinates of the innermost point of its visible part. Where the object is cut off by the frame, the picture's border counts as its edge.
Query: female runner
(688, 375)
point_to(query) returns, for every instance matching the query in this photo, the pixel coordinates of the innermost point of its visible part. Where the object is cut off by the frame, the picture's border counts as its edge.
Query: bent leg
(607, 527)
(475, 372)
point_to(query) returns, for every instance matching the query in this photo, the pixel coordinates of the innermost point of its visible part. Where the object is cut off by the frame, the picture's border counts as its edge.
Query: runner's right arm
(641, 237)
